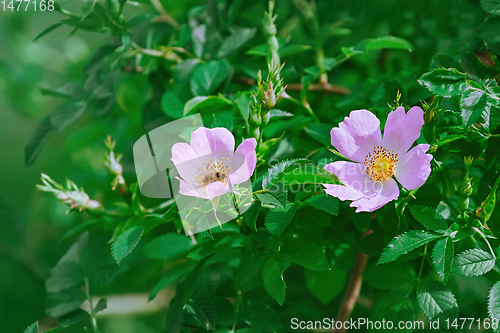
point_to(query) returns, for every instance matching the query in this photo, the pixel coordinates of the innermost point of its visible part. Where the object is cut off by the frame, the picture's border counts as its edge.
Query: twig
(325, 86)
(353, 288)
(164, 16)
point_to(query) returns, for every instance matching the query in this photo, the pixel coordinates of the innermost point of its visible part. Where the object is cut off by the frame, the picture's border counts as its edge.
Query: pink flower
(368, 179)
(209, 166)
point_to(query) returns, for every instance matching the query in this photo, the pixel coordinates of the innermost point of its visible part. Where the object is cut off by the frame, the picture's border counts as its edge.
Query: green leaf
(404, 243)
(428, 217)
(203, 311)
(204, 103)
(473, 262)
(64, 302)
(488, 30)
(279, 218)
(107, 274)
(101, 305)
(445, 82)
(491, 6)
(388, 42)
(449, 138)
(442, 257)
(36, 140)
(209, 76)
(47, 30)
(494, 302)
(66, 114)
(168, 246)
(305, 253)
(472, 104)
(33, 328)
(272, 175)
(324, 202)
(70, 91)
(319, 132)
(175, 322)
(171, 105)
(172, 275)
(308, 174)
(251, 215)
(280, 192)
(488, 205)
(436, 299)
(388, 277)
(325, 285)
(238, 37)
(293, 49)
(126, 242)
(243, 102)
(272, 277)
(261, 317)
(184, 70)
(393, 307)
(277, 114)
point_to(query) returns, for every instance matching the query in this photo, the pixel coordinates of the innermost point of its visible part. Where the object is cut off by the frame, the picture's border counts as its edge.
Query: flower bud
(465, 188)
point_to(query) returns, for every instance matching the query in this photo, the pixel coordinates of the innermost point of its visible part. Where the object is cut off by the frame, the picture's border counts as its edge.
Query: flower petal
(382, 193)
(403, 129)
(342, 192)
(186, 161)
(352, 175)
(415, 167)
(206, 141)
(188, 189)
(243, 162)
(216, 189)
(357, 135)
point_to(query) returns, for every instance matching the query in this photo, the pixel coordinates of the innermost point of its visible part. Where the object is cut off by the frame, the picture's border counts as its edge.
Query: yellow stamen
(213, 171)
(381, 164)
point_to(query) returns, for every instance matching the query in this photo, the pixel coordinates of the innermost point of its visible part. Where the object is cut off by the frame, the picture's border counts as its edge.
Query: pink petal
(382, 193)
(357, 135)
(206, 141)
(415, 167)
(243, 162)
(216, 189)
(188, 189)
(403, 129)
(185, 160)
(342, 192)
(352, 175)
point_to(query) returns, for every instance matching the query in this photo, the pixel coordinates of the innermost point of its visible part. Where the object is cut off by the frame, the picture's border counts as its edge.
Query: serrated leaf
(208, 77)
(491, 6)
(279, 218)
(168, 246)
(63, 302)
(107, 274)
(36, 140)
(428, 217)
(251, 214)
(387, 276)
(436, 299)
(324, 202)
(203, 311)
(489, 203)
(388, 42)
(404, 243)
(71, 91)
(261, 317)
(202, 103)
(445, 82)
(126, 242)
(33, 328)
(396, 308)
(308, 174)
(174, 313)
(472, 104)
(325, 285)
(172, 275)
(494, 302)
(442, 257)
(274, 172)
(320, 132)
(305, 253)
(473, 262)
(72, 318)
(280, 192)
(272, 277)
(488, 30)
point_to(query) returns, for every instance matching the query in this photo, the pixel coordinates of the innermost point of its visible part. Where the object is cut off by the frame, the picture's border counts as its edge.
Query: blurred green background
(32, 223)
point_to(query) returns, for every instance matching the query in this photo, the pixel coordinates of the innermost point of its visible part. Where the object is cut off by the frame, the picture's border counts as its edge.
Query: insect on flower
(369, 179)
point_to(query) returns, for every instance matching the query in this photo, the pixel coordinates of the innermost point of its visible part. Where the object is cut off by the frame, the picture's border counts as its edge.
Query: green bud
(465, 187)
(255, 119)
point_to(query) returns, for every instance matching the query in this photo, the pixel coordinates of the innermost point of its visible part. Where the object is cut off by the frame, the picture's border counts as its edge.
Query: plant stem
(452, 207)
(91, 306)
(486, 240)
(353, 288)
(236, 312)
(423, 261)
(164, 15)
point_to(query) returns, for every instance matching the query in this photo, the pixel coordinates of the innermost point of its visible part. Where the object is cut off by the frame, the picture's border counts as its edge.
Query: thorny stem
(353, 288)
(91, 305)
(165, 16)
(305, 105)
(423, 261)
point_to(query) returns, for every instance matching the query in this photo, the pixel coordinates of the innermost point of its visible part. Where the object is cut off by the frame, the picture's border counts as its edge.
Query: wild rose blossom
(368, 179)
(209, 166)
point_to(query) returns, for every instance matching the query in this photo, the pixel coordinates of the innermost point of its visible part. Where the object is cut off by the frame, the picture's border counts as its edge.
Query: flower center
(381, 164)
(213, 171)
